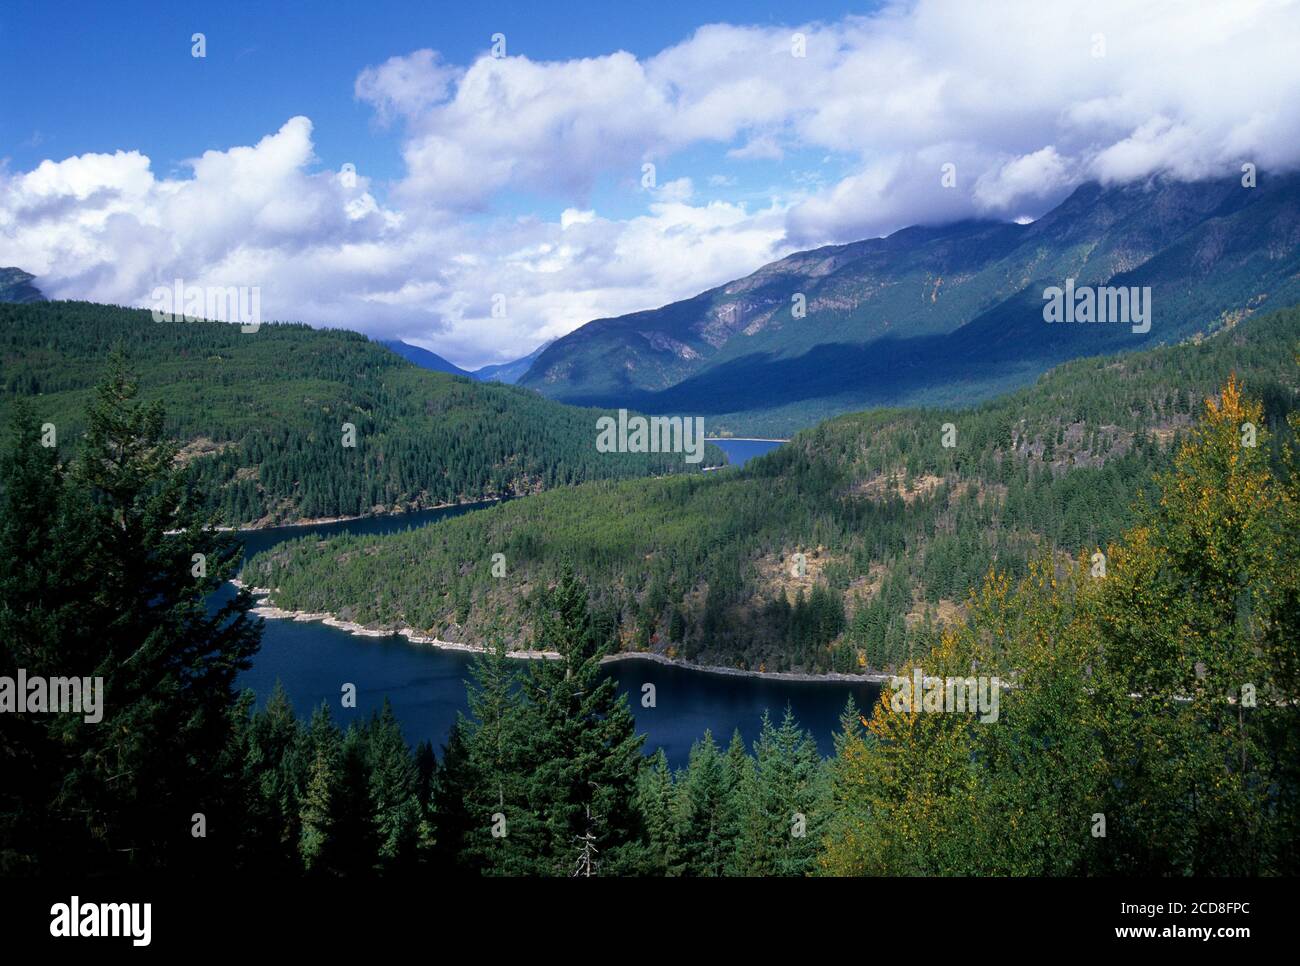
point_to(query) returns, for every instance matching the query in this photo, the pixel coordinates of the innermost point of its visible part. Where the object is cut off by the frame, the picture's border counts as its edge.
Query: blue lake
(426, 685)
(741, 451)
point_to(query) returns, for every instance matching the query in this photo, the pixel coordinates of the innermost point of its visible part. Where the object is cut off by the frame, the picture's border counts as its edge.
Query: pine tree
(786, 809)
(318, 760)
(426, 775)
(450, 814)
(355, 845)
(705, 810)
(32, 619)
(394, 791)
(579, 739)
(270, 794)
(316, 814)
(497, 793)
(656, 801)
(125, 569)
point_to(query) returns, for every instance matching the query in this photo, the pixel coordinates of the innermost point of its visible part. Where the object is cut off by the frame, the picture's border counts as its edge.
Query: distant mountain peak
(946, 314)
(17, 286)
(424, 358)
(510, 372)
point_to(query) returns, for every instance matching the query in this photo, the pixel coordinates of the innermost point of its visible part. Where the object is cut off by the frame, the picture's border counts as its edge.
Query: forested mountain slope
(939, 315)
(261, 415)
(895, 528)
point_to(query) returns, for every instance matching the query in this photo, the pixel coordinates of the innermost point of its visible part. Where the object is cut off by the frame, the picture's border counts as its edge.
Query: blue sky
(127, 163)
(126, 78)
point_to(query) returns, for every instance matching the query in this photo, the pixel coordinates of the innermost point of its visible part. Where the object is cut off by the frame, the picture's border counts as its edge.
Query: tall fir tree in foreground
(580, 741)
(394, 792)
(106, 571)
(707, 826)
(657, 804)
(783, 802)
(503, 830)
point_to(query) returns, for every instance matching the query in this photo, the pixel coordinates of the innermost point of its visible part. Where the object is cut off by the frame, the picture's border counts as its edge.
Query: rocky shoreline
(321, 521)
(269, 610)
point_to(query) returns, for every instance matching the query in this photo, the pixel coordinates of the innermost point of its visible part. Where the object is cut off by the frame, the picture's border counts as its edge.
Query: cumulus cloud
(104, 227)
(1018, 101)
(1035, 175)
(405, 85)
(1025, 99)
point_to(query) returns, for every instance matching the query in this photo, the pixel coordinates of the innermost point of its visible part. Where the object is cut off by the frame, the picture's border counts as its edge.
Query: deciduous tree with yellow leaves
(1149, 723)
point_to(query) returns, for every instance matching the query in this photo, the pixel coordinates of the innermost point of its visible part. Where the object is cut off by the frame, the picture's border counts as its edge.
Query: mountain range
(506, 372)
(938, 315)
(510, 372)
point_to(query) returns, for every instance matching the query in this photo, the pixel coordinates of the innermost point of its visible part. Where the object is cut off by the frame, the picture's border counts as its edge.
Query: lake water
(741, 451)
(426, 685)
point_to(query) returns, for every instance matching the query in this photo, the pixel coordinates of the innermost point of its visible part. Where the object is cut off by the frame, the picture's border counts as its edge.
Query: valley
(447, 444)
(897, 529)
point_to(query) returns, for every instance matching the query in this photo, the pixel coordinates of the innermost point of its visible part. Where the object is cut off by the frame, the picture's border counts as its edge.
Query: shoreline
(742, 439)
(321, 521)
(268, 609)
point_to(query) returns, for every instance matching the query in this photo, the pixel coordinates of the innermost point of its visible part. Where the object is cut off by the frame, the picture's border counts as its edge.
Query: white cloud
(1008, 93)
(104, 227)
(1028, 176)
(405, 85)
(572, 216)
(762, 146)
(1011, 93)
(679, 189)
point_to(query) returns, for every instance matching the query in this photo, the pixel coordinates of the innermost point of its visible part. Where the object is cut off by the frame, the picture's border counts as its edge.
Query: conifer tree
(740, 785)
(503, 835)
(354, 846)
(705, 810)
(319, 768)
(656, 801)
(316, 815)
(126, 565)
(270, 793)
(785, 806)
(579, 738)
(450, 814)
(394, 779)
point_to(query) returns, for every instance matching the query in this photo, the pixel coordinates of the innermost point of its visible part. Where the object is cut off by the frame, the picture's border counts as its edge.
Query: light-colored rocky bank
(320, 521)
(268, 610)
